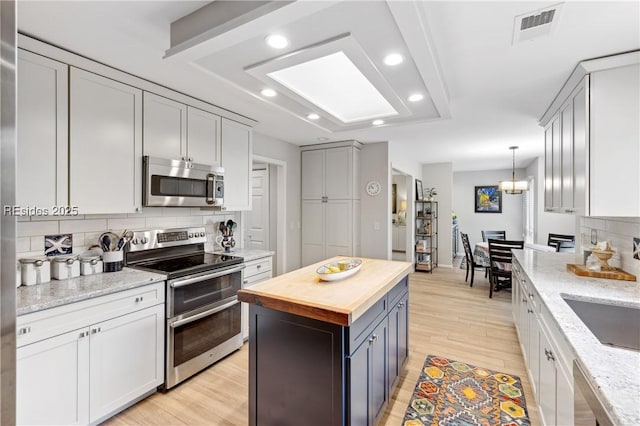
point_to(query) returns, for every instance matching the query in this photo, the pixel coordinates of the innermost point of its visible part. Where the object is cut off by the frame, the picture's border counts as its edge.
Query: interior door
(258, 217)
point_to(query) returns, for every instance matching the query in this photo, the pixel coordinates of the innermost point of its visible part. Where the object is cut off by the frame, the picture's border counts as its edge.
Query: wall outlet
(55, 245)
(636, 248)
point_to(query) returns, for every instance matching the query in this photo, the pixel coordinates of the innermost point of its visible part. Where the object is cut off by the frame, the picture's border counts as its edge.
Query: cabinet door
(395, 235)
(564, 396)
(524, 324)
(358, 370)
(313, 220)
(402, 238)
(338, 171)
(105, 145)
(313, 174)
(337, 227)
(548, 167)
(566, 123)
(126, 359)
(368, 391)
(580, 153)
(534, 352)
(52, 380)
(547, 388)
(398, 340)
(42, 148)
(165, 127)
(236, 160)
(378, 375)
(203, 137)
(556, 164)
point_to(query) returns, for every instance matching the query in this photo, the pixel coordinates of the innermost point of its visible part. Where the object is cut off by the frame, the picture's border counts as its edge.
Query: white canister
(90, 265)
(65, 267)
(35, 270)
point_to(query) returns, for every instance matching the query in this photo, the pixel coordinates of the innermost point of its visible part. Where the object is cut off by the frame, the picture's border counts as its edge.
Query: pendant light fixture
(513, 186)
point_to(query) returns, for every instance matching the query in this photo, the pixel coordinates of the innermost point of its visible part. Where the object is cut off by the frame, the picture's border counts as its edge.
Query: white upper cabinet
(42, 172)
(174, 130)
(237, 150)
(165, 127)
(203, 137)
(592, 140)
(330, 173)
(105, 144)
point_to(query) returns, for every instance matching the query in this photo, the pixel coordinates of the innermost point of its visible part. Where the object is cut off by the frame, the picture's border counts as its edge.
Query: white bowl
(354, 266)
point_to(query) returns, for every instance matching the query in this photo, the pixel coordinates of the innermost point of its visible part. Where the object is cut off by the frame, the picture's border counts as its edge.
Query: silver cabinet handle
(83, 334)
(96, 330)
(139, 299)
(401, 304)
(184, 282)
(24, 330)
(530, 311)
(259, 266)
(201, 315)
(245, 282)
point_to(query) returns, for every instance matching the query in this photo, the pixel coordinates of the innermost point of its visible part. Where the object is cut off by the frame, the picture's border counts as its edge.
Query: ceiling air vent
(538, 23)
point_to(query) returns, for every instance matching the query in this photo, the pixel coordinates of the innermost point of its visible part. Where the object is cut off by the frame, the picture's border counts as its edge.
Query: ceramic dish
(339, 270)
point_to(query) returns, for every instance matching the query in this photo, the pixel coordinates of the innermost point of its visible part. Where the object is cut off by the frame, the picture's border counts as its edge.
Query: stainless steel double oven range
(203, 312)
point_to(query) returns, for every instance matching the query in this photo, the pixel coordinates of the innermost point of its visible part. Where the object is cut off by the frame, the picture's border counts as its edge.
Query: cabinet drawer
(257, 267)
(44, 324)
(396, 292)
(249, 281)
(363, 326)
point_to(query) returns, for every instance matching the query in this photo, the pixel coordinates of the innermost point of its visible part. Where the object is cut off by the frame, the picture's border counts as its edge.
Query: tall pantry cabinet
(330, 201)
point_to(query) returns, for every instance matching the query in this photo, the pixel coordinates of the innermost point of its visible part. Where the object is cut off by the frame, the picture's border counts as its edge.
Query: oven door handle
(188, 281)
(206, 313)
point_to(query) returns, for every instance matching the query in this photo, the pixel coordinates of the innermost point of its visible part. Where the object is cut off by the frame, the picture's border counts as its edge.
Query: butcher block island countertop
(302, 292)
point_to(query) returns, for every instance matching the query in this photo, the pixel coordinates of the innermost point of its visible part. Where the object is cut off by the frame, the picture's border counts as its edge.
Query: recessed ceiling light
(313, 116)
(377, 122)
(269, 93)
(416, 97)
(393, 59)
(277, 41)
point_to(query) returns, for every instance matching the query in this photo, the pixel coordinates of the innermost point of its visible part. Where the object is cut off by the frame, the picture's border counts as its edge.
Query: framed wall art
(419, 195)
(488, 199)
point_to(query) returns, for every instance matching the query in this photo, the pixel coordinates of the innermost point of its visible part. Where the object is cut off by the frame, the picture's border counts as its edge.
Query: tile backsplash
(85, 229)
(620, 232)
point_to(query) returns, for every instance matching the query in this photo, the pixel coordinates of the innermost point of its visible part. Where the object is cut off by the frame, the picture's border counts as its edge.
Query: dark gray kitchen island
(327, 353)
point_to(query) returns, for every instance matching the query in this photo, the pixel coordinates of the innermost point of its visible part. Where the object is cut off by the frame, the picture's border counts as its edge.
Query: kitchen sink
(613, 325)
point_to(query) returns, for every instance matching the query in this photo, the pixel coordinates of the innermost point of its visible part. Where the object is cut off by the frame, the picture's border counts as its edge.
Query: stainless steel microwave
(179, 183)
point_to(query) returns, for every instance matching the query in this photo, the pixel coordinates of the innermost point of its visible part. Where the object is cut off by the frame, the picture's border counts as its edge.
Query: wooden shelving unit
(426, 235)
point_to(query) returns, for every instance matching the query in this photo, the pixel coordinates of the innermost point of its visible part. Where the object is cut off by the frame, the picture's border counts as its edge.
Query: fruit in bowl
(339, 270)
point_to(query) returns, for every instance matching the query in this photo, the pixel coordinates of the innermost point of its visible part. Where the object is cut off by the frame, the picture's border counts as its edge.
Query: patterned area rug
(452, 393)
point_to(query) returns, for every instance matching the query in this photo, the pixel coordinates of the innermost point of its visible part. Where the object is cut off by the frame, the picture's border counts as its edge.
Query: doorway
(265, 224)
(402, 216)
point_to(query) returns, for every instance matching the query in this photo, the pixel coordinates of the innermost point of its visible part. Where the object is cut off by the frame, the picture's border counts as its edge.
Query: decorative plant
(429, 193)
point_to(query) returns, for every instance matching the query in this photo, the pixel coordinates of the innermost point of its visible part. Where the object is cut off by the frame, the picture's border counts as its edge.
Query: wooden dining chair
(500, 258)
(554, 239)
(471, 262)
(494, 235)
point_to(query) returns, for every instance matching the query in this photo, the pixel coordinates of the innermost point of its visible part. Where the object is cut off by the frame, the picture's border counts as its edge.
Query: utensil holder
(113, 261)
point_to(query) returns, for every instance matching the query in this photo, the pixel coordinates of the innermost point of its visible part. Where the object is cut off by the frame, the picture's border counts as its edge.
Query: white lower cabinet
(547, 358)
(255, 271)
(89, 373)
(52, 381)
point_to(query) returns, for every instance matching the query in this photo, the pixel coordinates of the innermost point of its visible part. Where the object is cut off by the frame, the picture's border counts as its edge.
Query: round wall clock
(373, 188)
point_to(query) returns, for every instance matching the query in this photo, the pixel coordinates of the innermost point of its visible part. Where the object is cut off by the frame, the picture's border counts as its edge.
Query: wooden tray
(618, 274)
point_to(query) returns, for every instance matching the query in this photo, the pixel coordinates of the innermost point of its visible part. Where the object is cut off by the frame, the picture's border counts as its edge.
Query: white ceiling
(497, 91)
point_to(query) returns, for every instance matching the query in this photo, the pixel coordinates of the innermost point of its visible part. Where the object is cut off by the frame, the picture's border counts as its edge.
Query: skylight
(336, 85)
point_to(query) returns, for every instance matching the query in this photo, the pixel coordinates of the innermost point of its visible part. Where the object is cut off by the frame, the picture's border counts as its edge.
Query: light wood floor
(447, 318)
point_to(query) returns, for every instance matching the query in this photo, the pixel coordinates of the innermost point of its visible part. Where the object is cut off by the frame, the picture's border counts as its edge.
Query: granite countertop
(612, 371)
(247, 254)
(301, 292)
(38, 297)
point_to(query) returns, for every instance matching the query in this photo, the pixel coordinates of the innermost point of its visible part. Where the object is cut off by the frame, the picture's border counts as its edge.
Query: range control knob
(202, 234)
(144, 240)
(134, 241)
